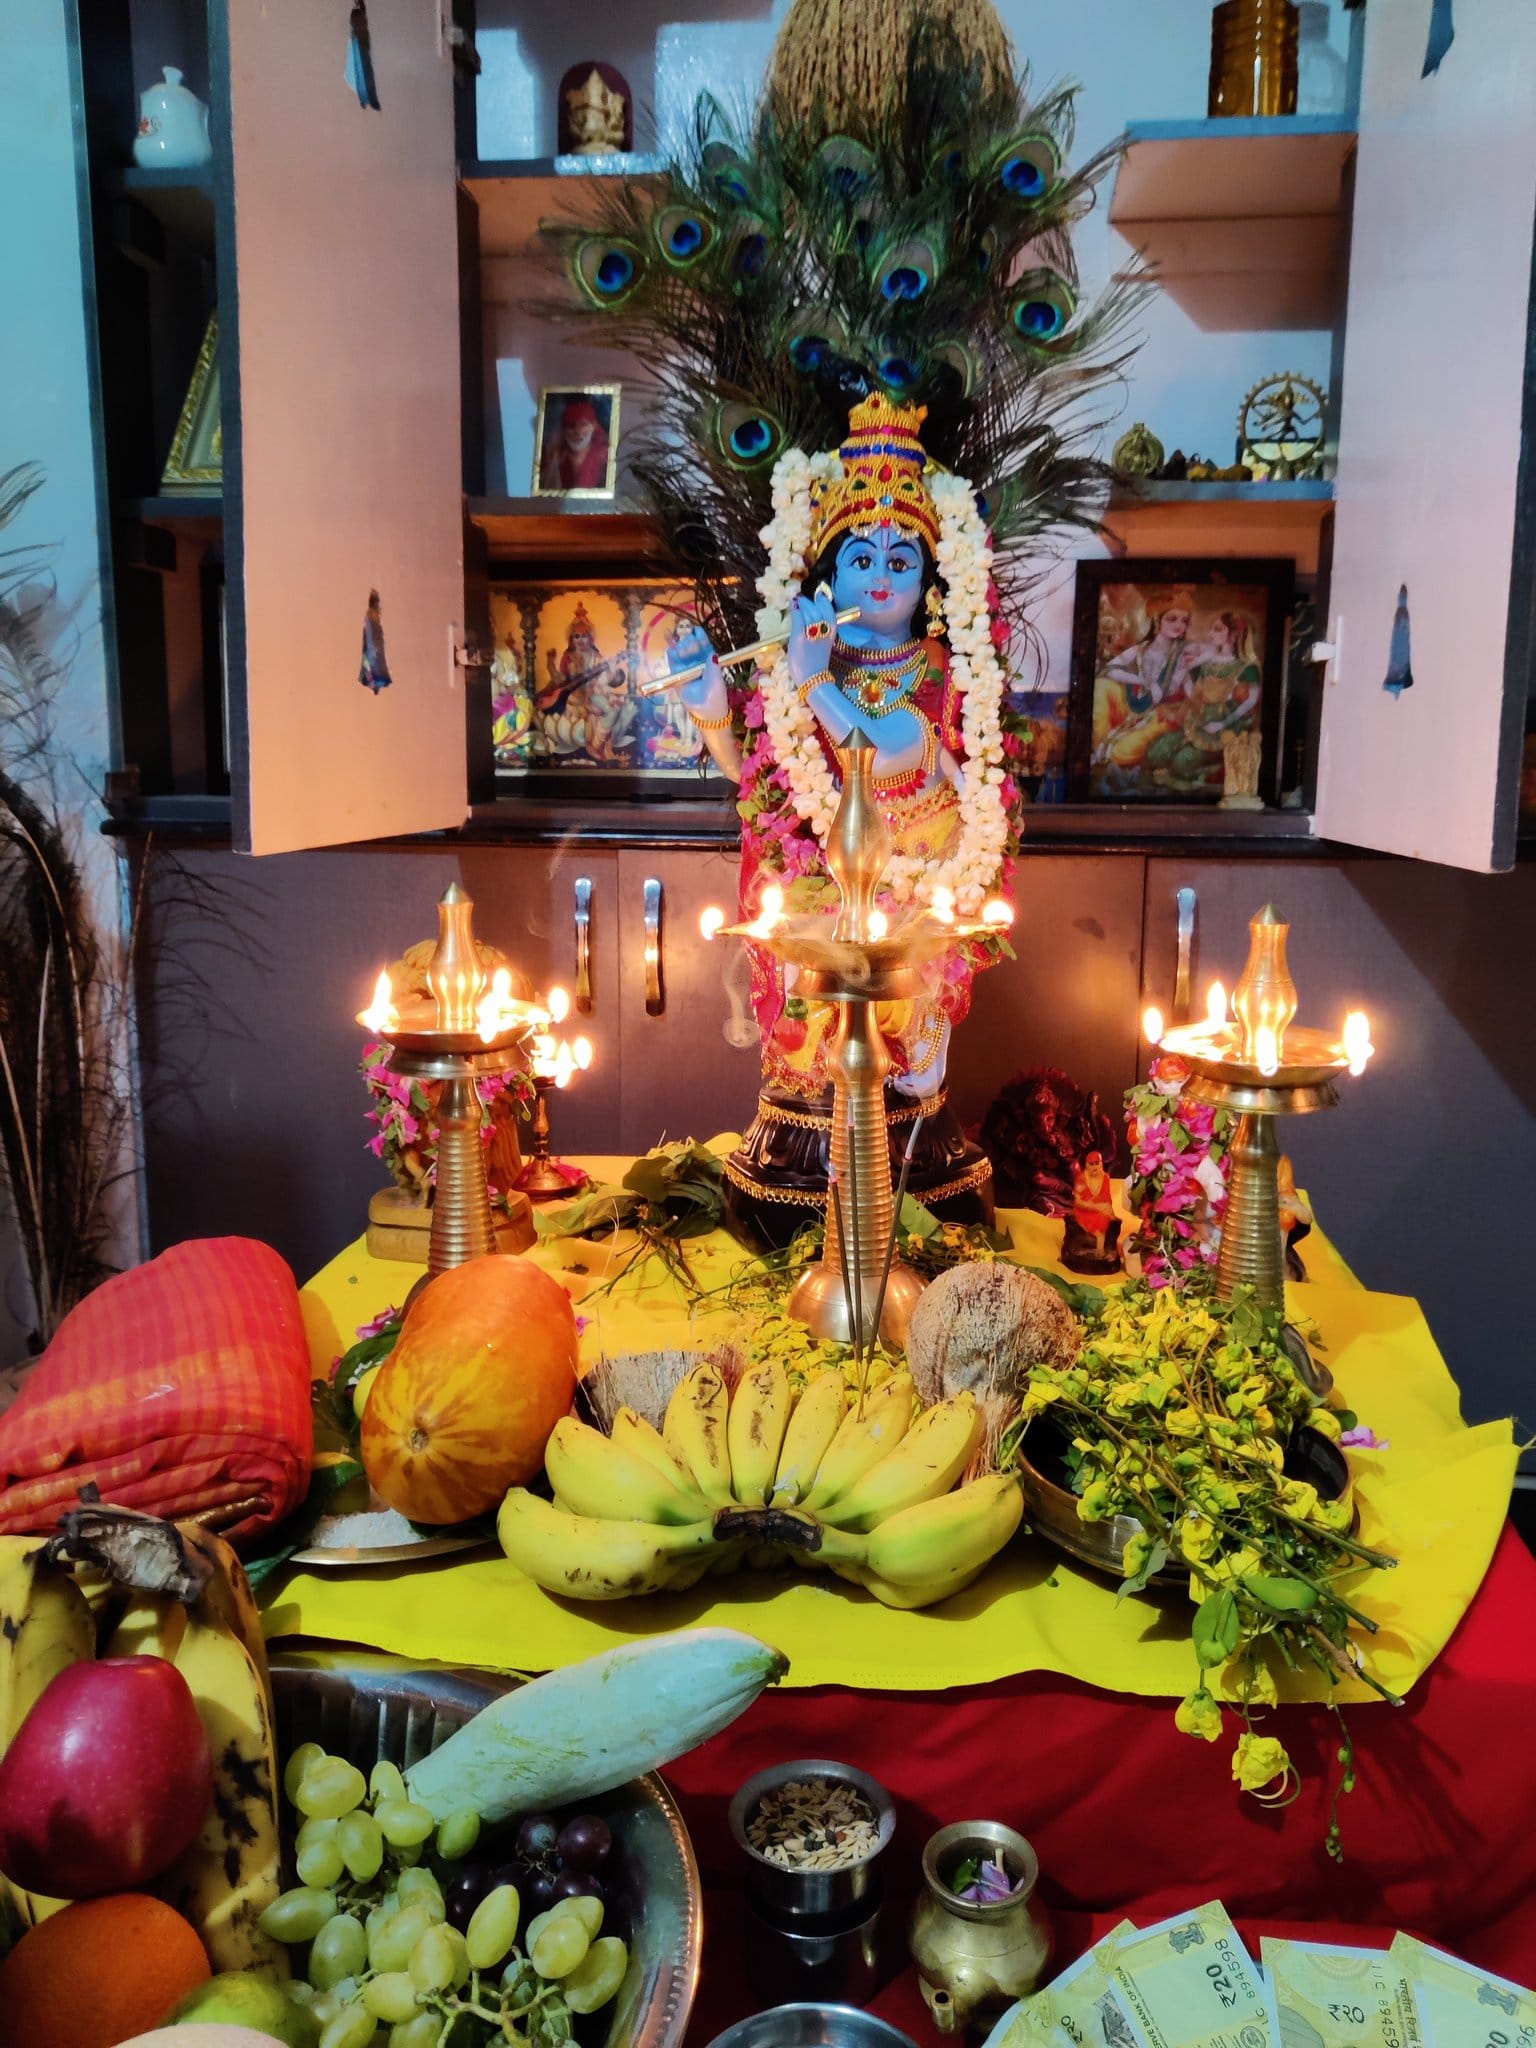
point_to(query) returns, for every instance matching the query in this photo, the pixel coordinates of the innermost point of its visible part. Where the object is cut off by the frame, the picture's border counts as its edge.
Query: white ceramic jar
(173, 127)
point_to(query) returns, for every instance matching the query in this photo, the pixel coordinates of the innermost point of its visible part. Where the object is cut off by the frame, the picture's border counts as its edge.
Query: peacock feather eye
(1040, 307)
(846, 166)
(605, 270)
(752, 255)
(728, 172)
(959, 367)
(906, 273)
(813, 337)
(744, 435)
(897, 373)
(1029, 167)
(683, 235)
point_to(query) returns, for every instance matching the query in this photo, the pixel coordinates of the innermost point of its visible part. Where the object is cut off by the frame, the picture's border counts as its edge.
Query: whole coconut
(979, 1328)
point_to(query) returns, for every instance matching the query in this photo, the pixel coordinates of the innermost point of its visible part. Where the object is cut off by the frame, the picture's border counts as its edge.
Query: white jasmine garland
(964, 561)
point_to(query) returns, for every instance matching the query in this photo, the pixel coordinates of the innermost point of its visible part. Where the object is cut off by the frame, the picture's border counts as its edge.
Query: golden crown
(882, 481)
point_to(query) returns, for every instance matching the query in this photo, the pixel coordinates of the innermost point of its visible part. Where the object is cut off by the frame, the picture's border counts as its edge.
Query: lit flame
(582, 1053)
(1152, 1024)
(1216, 1005)
(541, 1055)
(1266, 1048)
(492, 1013)
(711, 918)
(879, 924)
(1356, 1041)
(769, 912)
(381, 1014)
(996, 912)
(944, 904)
(558, 1004)
(565, 1065)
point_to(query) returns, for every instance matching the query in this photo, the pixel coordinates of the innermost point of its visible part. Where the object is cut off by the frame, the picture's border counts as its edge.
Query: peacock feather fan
(776, 273)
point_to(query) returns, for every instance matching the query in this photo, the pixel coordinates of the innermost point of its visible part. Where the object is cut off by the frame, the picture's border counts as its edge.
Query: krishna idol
(879, 572)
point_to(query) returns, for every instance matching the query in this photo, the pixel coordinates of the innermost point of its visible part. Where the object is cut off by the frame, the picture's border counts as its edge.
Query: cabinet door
(527, 901)
(1435, 487)
(339, 342)
(691, 1061)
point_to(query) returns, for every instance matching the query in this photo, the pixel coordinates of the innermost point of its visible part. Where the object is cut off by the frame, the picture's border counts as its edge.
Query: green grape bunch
(396, 1961)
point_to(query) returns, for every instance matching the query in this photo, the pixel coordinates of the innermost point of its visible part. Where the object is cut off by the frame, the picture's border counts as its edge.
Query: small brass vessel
(974, 1960)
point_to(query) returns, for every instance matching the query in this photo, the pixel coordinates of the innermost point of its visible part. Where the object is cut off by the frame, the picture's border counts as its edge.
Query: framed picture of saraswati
(1169, 658)
(566, 710)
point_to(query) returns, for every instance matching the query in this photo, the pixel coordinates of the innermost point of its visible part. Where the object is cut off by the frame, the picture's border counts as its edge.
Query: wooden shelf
(550, 530)
(1241, 217)
(182, 201)
(1235, 519)
(515, 194)
(201, 513)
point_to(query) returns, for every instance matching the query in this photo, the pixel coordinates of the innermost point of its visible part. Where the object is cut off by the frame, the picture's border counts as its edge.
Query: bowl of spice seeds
(811, 1832)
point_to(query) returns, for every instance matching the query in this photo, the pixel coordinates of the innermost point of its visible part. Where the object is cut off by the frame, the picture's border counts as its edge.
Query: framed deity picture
(567, 714)
(576, 441)
(195, 465)
(1169, 658)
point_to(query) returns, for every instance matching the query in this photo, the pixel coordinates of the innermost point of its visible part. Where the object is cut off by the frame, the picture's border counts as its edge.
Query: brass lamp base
(400, 1226)
(1252, 1250)
(820, 1302)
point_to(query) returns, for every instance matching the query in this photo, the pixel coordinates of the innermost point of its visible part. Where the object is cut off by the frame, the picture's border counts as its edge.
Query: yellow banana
(862, 1440)
(227, 1597)
(47, 1625)
(233, 1871)
(151, 1625)
(631, 1432)
(593, 1475)
(926, 1594)
(755, 1426)
(590, 1558)
(813, 1423)
(694, 1431)
(927, 1462)
(943, 1543)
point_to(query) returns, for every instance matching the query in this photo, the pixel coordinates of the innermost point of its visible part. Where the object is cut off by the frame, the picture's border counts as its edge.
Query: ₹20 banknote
(1189, 1982)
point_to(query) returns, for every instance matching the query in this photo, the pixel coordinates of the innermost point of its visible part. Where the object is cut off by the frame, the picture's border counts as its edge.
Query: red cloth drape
(1130, 1817)
(179, 1387)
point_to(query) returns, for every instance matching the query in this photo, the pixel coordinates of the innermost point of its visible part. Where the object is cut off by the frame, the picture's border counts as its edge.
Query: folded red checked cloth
(180, 1388)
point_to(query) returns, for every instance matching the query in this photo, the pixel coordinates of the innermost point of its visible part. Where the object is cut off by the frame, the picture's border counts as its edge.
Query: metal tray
(813, 2026)
(370, 1709)
(1051, 1509)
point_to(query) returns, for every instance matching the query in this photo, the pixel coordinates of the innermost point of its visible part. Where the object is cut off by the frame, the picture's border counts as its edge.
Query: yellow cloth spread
(1436, 1500)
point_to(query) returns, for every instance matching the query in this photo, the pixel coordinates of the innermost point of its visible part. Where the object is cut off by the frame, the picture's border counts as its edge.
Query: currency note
(1328, 1997)
(1461, 2006)
(1079, 2006)
(1189, 1982)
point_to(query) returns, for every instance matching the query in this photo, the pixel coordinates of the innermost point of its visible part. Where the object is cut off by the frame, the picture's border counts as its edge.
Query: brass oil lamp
(463, 1028)
(1260, 1065)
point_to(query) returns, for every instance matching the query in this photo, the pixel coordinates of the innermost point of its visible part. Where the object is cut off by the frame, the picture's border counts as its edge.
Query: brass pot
(1253, 57)
(975, 1960)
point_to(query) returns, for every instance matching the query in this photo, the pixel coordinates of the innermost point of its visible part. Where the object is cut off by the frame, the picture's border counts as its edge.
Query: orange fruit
(101, 1970)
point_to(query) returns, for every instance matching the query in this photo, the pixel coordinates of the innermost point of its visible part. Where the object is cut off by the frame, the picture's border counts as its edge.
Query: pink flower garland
(1178, 1183)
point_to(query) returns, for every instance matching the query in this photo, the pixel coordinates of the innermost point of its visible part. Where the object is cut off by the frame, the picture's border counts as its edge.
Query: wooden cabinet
(347, 270)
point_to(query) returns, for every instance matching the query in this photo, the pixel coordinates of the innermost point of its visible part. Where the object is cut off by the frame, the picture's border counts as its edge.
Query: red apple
(108, 1780)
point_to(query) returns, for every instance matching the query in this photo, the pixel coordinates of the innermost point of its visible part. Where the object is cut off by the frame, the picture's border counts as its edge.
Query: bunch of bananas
(57, 1610)
(761, 1478)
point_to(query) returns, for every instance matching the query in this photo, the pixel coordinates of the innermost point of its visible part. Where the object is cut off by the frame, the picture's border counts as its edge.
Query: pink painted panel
(348, 353)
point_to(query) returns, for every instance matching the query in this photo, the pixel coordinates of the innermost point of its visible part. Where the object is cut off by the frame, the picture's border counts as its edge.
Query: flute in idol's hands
(697, 652)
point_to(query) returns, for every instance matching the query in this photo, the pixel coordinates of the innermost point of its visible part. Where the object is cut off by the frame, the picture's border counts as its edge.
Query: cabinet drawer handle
(584, 942)
(1181, 992)
(655, 999)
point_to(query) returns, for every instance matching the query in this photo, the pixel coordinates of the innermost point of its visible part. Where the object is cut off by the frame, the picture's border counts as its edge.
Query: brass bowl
(370, 1709)
(1051, 1508)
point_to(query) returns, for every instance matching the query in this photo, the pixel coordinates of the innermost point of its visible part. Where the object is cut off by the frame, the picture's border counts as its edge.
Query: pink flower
(754, 711)
(1363, 1438)
(376, 1144)
(1002, 632)
(380, 1323)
